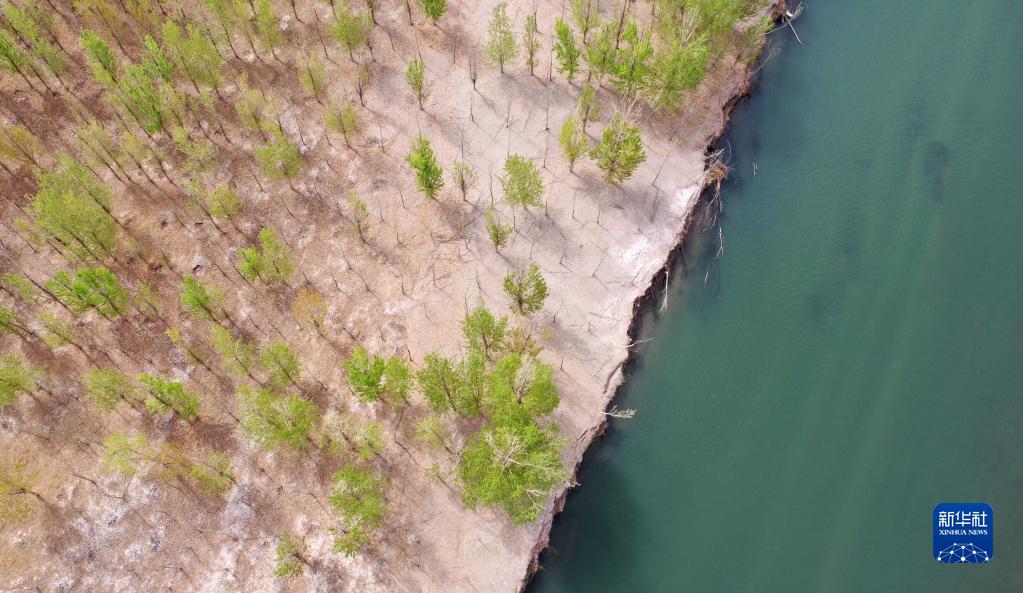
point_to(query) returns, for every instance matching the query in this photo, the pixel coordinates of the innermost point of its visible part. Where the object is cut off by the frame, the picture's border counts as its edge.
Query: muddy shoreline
(616, 378)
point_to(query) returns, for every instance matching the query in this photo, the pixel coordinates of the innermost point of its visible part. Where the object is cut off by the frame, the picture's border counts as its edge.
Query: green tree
(222, 201)
(72, 209)
(434, 9)
(279, 158)
(521, 183)
(464, 177)
(565, 50)
(632, 60)
(192, 55)
(213, 474)
(341, 118)
(19, 147)
(531, 41)
(13, 59)
(675, 71)
(574, 143)
(169, 396)
(360, 214)
(443, 384)
(358, 495)
(521, 388)
(16, 378)
(429, 175)
(349, 29)
(586, 14)
(271, 263)
(601, 52)
(239, 356)
(20, 287)
(124, 452)
(366, 374)
(339, 432)
(281, 363)
(289, 555)
(484, 333)
(273, 420)
(202, 301)
(56, 331)
(16, 487)
(514, 466)
(99, 57)
(527, 289)
(620, 150)
(109, 387)
(415, 76)
(266, 24)
(397, 380)
(588, 109)
(499, 232)
(91, 288)
(312, 75)
(501, 47)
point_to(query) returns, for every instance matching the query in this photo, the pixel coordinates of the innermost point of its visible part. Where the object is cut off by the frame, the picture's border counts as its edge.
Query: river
(855, 355)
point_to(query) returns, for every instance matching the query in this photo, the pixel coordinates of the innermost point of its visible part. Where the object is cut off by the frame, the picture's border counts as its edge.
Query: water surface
(856, 354)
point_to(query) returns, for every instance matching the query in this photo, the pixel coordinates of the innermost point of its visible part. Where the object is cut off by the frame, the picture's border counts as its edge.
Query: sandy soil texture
(401, 291)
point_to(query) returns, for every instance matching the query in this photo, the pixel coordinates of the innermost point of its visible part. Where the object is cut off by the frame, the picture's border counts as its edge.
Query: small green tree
(341, 118)
(565, 50)
(512, 465)
(620, 150)
(20, 287)
(279, 158)
(289, 555)
(72, 209)
(56, 331)
(273, 420)
(271, 263)
(91, 288)
(239, 356)
(527, 289)
(311, 75)
(601, 52)
(349, 29)
(415, 76)
(499, 233)
(429, 175)
(484, 333)
(357, 494)
(169, 396)
(531, 41)
(675, 71)
(521, 183)
(16, 378)
(202, 301)
(632, 60)
(340, 432)
(360, 214)
(16, 490)
(521, 387)
(465, 177)
(397, 380)
(213, 474)
(443, 385)
(434, 9)
(574, 143)
(588, 109)
(125, 452)
(586, 14)
(365, 374)
(266, 24)
(281, 363)
(222, 201)
(501, 47)
(109, 387)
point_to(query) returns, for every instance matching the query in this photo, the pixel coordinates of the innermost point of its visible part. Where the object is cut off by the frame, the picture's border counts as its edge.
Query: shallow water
(856, 354)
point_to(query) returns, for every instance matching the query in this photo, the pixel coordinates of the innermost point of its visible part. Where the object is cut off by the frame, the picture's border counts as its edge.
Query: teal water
(856, 355)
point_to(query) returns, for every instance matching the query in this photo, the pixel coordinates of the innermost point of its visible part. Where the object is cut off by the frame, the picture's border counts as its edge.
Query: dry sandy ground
(403, 291)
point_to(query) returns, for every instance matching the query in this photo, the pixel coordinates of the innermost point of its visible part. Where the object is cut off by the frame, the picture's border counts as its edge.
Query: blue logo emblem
(964, 533)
